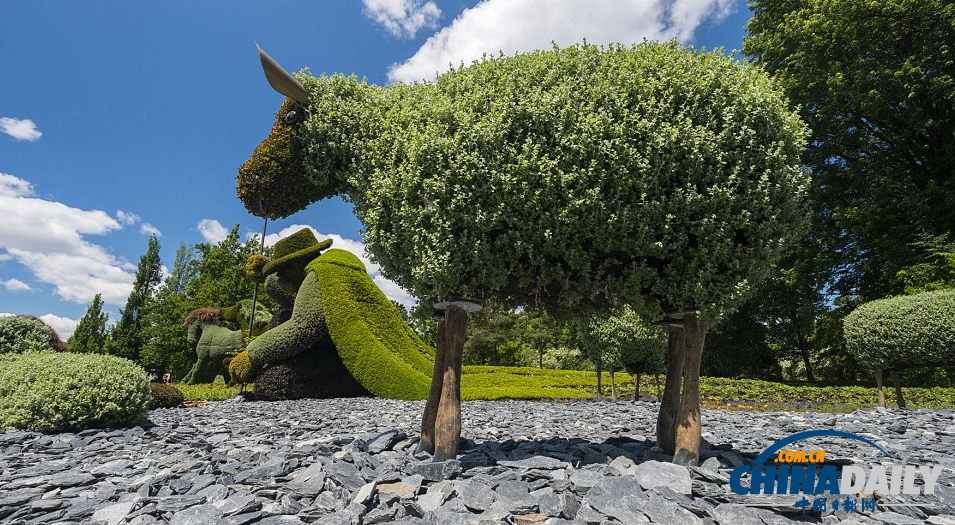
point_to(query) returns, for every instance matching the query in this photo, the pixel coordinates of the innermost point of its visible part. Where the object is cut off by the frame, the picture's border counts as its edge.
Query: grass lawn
(493, 382)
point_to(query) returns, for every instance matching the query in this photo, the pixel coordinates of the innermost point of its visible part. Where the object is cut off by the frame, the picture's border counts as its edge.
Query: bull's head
(272, 183)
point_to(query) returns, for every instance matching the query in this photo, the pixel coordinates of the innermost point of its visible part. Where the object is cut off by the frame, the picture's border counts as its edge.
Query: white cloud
(389, 288)
(15, 285)
(19, 129)
(126, 217)
(148, 229)
(212, 231)
(64, 326)
(403, 18)
(55, 250)
(516, 26)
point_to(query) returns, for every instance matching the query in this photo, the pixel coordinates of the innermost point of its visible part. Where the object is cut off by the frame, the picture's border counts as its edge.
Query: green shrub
(379, 349)
(22, 333)
(164, 396)
(317, 373)
(910, 330)
(57, 392)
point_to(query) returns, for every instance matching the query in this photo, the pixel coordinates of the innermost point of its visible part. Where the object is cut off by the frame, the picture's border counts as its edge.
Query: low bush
(317, 373)
(24, 333)
(59, 392)
(905, 331)
(164, 396)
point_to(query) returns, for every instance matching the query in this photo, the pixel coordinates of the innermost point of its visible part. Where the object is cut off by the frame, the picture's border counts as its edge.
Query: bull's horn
(281, 80)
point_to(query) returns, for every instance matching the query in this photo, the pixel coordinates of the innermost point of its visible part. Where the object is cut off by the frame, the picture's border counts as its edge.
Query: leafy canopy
(583, 176)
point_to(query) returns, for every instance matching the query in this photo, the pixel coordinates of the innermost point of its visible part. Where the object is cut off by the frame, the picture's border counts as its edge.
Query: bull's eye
(291, 117)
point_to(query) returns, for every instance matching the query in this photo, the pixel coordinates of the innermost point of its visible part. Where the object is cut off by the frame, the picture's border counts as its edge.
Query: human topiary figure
(210, 331)
(25, 333)
(902, 332)
(575, 179)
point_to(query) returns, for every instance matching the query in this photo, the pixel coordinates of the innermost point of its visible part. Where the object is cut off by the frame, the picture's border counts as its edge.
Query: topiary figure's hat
(298, 248)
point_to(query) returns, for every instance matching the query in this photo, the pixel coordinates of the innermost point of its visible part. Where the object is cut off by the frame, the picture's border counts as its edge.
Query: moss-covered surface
(305, 328)
(214, 344)
(376, 345)
(317, 373)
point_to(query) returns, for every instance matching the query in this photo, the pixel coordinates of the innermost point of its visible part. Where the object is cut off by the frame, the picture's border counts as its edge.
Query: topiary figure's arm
(304, 329)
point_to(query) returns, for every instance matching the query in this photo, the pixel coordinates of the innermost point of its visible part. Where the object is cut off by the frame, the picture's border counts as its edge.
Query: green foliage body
(60, 392)
(20, 334)
(578, 176)
(909, 330)
(873, 80)
(213, 345)
(90, 333)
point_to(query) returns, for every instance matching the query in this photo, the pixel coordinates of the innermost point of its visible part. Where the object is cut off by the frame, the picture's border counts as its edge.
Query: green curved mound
(382, 352)
(377, 347)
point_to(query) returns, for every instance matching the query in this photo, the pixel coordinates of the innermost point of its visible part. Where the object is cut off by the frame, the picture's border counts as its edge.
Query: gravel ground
(350, 461)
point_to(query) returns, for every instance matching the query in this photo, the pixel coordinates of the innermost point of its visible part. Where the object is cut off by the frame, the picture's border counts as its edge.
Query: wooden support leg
(448, 421)
(898, 388)
(613, 386)
(688, 421)
(878, 386)
(670, 402)
(636, 390)
(434, 395)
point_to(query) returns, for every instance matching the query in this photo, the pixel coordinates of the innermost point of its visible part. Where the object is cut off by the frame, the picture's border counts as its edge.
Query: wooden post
(434, 394)
(688, 421)
(613, 385)
(878, 386)
(670, 402)
(896, 380)
(448, 421)
(599, 375)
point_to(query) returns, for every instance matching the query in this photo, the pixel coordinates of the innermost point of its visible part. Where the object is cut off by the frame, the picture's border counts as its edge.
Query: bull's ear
(281, 80)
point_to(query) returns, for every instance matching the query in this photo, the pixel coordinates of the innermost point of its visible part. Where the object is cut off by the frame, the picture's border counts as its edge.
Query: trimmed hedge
(904, 331)
(376, 345)
(317, 373)
(164, 396)
(60, 392)
(24, 333)
(213, 345)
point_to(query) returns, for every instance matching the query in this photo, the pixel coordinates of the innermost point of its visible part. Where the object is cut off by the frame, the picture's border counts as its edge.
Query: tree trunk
(804, 352)
(613, 385)
(448, 422)
(878, 387)
(670, 402)
(434, 394)
(636, 390)
(656, 379)
(688, 420)
(599, 374)
(540, 358)
(898, 389)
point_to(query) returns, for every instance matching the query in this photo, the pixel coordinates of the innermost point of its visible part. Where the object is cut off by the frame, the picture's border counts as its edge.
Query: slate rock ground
(351, 461)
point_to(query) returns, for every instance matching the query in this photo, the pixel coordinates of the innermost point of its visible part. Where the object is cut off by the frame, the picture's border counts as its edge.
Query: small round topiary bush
(904, 331)
(164, 396)
(24, 333)
(59, 392)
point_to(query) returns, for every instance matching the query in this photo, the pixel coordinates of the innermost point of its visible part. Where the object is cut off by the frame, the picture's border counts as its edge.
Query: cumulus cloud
(126, 217)
(55, 249)
(212, 231)
(15, 285)
(403, 18)
(20, 129)
(515, 26)
(64, 326)
(389, 288)
(148, 229)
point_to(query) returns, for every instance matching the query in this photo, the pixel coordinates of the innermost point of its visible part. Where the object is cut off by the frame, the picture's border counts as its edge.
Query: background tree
(125, 339)
(874, 82)
(90, 333)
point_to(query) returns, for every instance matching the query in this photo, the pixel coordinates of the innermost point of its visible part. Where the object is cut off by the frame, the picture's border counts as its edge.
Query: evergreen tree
(125, 338)
(90, 334)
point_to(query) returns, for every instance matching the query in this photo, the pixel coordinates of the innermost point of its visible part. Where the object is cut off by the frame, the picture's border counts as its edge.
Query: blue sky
(121, 119)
